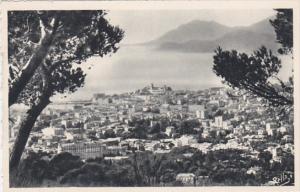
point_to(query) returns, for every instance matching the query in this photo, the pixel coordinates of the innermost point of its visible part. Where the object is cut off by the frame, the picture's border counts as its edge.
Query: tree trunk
(25, 129)
(27, 72)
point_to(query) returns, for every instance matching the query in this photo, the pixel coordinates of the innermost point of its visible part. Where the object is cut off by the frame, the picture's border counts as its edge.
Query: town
(159, 119)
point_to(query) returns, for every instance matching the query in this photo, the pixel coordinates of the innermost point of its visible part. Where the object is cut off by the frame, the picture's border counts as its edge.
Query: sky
(146, 25)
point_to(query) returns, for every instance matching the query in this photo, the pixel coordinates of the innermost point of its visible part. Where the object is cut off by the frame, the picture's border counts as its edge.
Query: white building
(186, 140)
(227, 125)
(202, 114)
(116, 158)
(203, 147)
(270, 126)
(170, 130)
(53, 131)
(157, 90)
(84, 150)
(219, 121)
(282, 130)
(186, 178)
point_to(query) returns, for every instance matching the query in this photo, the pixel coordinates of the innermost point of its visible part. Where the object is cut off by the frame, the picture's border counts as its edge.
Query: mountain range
(205, 36)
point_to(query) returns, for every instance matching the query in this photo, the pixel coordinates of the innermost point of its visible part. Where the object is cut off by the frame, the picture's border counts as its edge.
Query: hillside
(205, 36)
(194, 30)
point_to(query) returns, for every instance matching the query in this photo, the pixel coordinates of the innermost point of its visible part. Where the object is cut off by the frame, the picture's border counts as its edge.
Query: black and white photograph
(150, 98)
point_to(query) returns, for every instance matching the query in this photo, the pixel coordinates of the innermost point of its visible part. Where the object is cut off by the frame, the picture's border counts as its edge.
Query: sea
(133, 67)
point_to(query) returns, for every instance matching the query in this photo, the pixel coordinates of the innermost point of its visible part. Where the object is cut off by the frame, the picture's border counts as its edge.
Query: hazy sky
(145, 25)
(132, 67)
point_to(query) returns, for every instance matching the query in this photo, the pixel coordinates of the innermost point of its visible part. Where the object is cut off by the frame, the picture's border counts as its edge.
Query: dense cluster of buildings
(100, 127)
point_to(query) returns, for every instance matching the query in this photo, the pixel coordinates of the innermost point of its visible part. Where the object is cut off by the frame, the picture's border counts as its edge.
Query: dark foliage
(257, 73)
(225, 167)
(283, 25)
(46, 49)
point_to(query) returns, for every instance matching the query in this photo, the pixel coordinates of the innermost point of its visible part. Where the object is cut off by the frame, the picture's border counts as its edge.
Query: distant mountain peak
(199, 22)
(195, 30)
(203, 36)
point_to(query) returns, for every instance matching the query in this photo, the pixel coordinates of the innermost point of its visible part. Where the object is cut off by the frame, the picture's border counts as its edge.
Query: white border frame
(144, 5)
